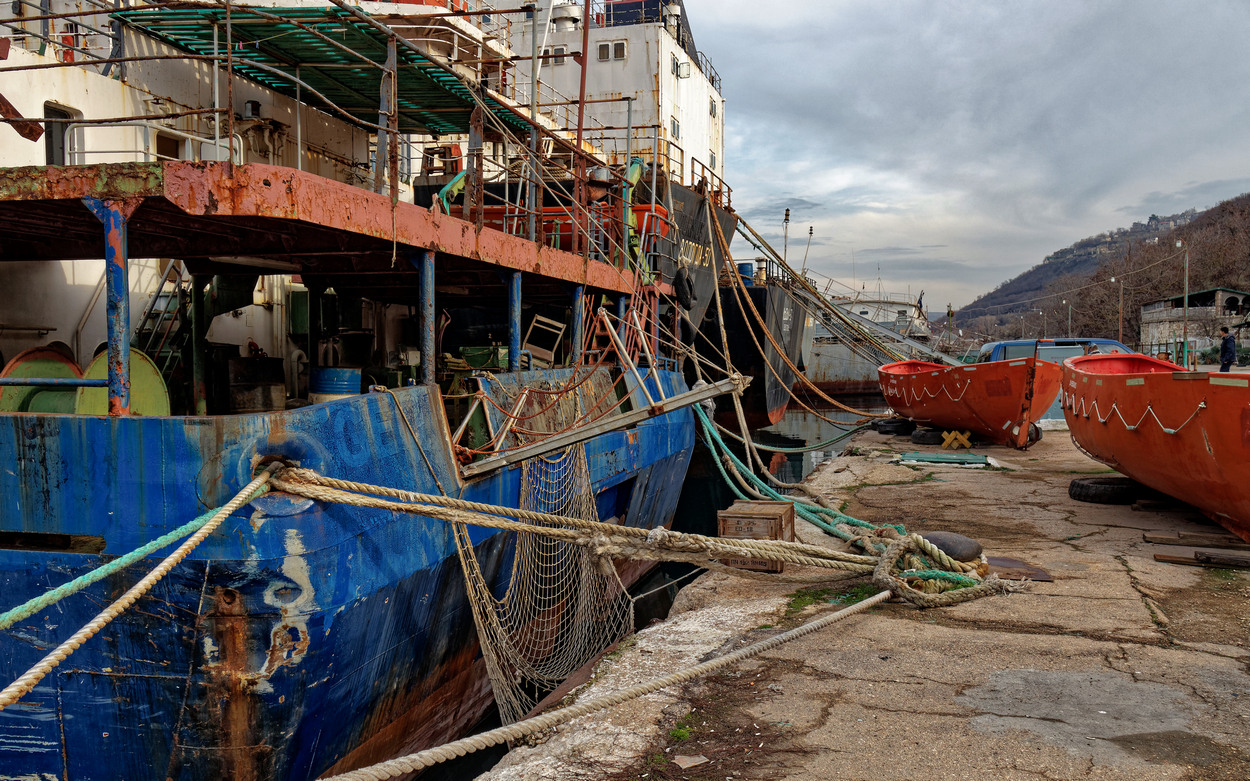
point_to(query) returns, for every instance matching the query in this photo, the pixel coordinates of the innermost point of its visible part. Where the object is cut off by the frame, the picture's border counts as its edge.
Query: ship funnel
(672, 17)
(565, 17)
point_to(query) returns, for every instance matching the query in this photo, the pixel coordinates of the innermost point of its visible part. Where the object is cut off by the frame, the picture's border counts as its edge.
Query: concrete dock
(1121, 668)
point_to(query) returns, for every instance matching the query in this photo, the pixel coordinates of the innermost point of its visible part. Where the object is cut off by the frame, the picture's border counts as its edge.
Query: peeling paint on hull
(298, 638)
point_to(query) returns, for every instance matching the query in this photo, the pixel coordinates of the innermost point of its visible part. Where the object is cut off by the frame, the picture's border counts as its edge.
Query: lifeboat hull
(996, 401)
(1184, 433)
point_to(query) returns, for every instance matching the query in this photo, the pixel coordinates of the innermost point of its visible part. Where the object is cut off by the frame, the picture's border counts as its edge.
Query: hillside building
(1163, 322)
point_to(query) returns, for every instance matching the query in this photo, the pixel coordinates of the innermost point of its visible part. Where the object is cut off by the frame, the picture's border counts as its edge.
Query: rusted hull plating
(998, 401)
(765, 400)
(300, 637)
(1184, 433)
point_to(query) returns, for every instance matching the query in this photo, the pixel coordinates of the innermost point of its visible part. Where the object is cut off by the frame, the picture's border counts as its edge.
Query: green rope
(29, 608)
(808, 512)
(941, 574)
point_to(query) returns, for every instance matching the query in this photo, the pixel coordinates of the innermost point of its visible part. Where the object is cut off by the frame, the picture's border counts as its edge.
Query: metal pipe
(216, 66)
(299, 123)
(229, 89)
(532, 195)
(514, 321)
(53, 382)
(579, 188)
(579, 322)
(426, 287)
(583, 433)
(114, 214)
(199, 362)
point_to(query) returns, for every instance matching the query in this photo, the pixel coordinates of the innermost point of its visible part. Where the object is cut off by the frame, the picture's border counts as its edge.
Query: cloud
(991, 134)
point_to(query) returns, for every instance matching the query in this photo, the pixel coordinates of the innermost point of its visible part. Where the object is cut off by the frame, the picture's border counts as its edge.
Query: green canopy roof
(268, 50)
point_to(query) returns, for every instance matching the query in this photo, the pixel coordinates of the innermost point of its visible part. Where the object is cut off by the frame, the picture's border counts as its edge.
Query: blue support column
(622, 308)
(426, 287)
(114, 214)
(579, 322)
(514, 321)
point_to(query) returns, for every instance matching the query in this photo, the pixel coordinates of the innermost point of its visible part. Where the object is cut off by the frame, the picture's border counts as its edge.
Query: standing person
(1228, 349)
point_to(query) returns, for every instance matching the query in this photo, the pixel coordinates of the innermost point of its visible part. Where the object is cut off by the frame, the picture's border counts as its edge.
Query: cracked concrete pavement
(1121, 668)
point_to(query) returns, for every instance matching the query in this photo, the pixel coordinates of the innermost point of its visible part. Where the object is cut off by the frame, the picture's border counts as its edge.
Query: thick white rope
(28, 680)
(432, 756)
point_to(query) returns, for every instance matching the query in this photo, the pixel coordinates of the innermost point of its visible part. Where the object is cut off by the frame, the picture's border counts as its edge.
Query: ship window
(711, 106)
(712, 159)
(559, 52)
(676, 128)
(54, 134)
(676, 66)
(605, 52)
(168, 147)
(618, 50)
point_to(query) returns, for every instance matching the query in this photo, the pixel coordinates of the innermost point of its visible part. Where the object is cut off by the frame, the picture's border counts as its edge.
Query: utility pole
(1185, 316)
(1069, 318)
(1121, 339)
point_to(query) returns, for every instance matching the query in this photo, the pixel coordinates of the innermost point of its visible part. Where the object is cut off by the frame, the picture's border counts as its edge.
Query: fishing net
(562, 605)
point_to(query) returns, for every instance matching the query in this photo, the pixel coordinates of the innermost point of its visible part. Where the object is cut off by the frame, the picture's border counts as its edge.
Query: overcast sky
(955, 143)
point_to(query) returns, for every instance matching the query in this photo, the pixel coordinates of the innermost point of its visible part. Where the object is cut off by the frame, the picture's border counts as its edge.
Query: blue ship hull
(299, 638)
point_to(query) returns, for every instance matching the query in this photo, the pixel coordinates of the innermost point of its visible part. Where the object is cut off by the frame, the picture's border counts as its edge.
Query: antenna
(810, 230)
(785, 234)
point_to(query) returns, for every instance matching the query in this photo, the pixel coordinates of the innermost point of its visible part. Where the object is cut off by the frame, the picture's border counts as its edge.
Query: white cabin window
(618, 50)
(559, 52)
(676, 128)
(605, 52)
(676, 66)
(54, 133)
(711, 106)
(711, 156)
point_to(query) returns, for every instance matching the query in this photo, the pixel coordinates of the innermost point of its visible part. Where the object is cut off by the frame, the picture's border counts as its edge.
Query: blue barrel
(746, 269)
(336, 381)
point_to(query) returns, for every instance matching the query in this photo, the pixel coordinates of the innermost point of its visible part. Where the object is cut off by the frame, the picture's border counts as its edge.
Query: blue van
(1053, 350)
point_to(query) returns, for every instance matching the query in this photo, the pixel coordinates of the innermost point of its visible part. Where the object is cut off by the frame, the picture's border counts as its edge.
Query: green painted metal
(960, 459)
(39, 362)
(148, 394)
(430, 98)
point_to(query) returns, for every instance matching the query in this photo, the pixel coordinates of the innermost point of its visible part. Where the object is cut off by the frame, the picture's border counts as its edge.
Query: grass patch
(683, 730)
(856, 594)
(1223, 574)
(806, 597)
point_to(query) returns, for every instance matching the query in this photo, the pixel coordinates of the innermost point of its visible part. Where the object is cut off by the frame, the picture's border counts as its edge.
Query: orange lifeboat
(1184, 433)
(998, 400)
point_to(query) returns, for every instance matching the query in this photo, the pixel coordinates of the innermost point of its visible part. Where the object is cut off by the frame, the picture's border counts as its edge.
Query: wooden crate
(757, 520)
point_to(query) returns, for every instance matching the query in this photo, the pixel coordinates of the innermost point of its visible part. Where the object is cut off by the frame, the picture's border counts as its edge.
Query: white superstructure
(641, 50)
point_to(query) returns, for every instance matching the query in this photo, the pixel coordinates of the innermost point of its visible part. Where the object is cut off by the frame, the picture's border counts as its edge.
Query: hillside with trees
(1076, 281)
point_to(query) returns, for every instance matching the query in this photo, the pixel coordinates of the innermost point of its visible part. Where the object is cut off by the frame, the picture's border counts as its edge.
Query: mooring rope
(28, 680)
(433, 756)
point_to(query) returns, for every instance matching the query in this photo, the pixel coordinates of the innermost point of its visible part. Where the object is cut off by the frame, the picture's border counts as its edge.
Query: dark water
(800, 428)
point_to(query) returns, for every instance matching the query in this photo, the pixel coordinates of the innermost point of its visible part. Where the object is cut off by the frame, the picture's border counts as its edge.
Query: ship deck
(279, 220)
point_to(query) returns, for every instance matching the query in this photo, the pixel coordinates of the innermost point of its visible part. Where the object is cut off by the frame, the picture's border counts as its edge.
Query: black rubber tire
(1035, 434)
(926, 436)
(894, 426)
(1107, 490)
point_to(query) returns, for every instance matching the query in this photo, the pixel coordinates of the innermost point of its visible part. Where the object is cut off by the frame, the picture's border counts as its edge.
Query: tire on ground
(1107, 490)
(926, 436)
(895, 426)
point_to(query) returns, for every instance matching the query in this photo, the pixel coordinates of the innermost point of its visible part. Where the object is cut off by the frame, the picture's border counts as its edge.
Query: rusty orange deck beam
(275, 192)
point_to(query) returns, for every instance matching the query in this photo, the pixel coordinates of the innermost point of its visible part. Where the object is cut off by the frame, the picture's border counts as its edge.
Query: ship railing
(76, 150)
(706, 181)
(70, 32)
(705, 65)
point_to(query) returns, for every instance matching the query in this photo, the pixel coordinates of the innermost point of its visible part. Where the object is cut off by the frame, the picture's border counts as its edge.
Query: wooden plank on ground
(1223, 559)
(1169, 559)
(1198, 540)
